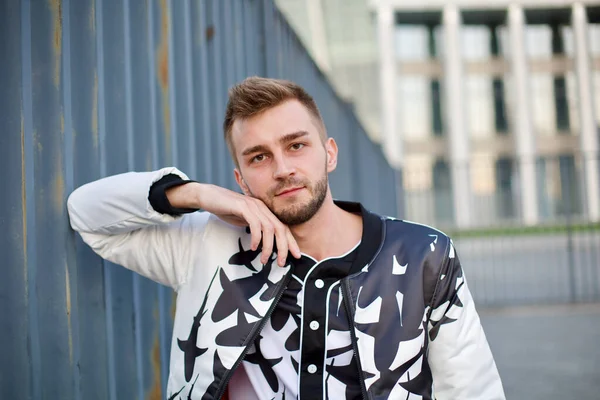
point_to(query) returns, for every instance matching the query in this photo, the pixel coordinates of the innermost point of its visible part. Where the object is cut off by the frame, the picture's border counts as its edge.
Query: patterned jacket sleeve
(115, 218)
(460, 358)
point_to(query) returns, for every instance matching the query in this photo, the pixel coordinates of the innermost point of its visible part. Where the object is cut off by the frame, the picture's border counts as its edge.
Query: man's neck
(331, 232)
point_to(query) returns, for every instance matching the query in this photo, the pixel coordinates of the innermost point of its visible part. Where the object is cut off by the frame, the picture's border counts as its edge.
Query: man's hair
(255, 95)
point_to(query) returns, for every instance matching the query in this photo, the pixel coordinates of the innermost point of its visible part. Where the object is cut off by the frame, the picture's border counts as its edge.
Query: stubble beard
(296, 214)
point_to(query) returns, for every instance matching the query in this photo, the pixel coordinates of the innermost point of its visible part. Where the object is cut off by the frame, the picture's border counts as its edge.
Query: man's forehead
(271, 127)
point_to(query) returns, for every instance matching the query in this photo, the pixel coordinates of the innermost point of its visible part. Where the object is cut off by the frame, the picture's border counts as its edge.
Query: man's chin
(296, 214)
(290, 212)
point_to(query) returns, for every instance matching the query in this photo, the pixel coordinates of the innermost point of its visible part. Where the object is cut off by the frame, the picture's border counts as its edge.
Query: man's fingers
(255, 228)
(280, 231)
(283, 237)
(292, 244)
(267, 240)
(266, 226)
(282, 244)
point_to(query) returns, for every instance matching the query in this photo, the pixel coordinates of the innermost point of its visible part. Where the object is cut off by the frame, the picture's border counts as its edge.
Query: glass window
(412, 43)
(475, 42)
(485, 94)
(414, 106)
(538, 40)
(419, 91)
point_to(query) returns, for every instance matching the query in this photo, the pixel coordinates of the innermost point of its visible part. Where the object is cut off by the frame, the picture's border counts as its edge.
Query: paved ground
(546, 352)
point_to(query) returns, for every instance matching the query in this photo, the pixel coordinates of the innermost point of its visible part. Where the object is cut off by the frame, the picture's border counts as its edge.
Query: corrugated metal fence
(91, 88)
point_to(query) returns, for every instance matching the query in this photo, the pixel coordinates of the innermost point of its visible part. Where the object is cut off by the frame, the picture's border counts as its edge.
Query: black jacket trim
(372, 234)
(158, 197)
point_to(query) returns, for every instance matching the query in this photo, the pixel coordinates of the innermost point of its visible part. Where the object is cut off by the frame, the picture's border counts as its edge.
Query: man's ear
(240, 181)
(332, 152)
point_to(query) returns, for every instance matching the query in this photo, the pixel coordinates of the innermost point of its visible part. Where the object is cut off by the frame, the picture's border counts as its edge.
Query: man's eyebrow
(254, 149)
(293, 136)
(263, 149)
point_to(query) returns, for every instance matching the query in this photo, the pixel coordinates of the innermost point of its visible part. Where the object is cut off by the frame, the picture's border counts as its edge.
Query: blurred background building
(490, 109)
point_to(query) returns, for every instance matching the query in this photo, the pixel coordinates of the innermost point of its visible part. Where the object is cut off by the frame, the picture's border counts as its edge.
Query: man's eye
(258, 158)
(297, 146)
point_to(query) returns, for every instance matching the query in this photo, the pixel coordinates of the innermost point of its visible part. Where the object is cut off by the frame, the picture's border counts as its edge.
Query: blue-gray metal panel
(204, 135)
(269, 39)
(337, 178)
(51, 229)
(170, 90)
(141, 157)
(341, 133)
(386, 184)
(239, 24)
(228, 78)
(400, 210)
(367, 173)
(139, 75)
(300, 72)
(284, 55)
(220, 84)
(64, 18)
(15, 379)
(248, 44)
(292, 53)
(390, 189)
(101, 126)
(278, 37)
(354, 154)
(84, 121)
(215, 71)
(118, 281)
(159, 27)
(30, 199)
(167, 138)
(189, 98)
(227, 43)
(375, 173)
(180, 84)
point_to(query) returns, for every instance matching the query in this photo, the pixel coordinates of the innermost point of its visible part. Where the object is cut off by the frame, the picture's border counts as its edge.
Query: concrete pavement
(546, 352)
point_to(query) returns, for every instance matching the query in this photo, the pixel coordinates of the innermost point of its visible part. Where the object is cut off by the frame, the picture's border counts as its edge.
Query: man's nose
(283, 168)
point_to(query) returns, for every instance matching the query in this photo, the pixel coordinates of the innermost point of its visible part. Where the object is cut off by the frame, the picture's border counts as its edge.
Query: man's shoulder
(428, 247)
(410, 227)
(417, 238)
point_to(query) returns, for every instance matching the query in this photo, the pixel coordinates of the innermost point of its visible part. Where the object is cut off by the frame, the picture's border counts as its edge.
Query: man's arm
(116, 218)
(146, 221)
(461, 361)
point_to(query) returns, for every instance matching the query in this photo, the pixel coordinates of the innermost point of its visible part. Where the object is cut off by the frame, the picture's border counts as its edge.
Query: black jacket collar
(372, 234)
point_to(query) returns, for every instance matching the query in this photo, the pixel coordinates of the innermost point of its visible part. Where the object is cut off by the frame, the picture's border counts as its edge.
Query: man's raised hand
(240, 210)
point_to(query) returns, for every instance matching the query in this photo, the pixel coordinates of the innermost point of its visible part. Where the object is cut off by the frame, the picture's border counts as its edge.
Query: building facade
(491, 109)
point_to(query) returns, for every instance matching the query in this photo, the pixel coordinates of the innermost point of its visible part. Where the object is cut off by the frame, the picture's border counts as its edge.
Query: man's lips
(289, 191)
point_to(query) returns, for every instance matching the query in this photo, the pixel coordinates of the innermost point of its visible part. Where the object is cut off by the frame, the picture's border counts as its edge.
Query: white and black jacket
(405, 304)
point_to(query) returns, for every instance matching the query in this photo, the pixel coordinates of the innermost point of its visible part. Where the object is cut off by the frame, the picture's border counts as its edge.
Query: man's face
(283, 161)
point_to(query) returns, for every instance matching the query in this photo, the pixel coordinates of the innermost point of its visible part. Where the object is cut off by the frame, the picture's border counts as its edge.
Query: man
(283, 292)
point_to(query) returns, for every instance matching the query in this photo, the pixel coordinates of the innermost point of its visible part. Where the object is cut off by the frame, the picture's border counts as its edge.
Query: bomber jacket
(404, 303)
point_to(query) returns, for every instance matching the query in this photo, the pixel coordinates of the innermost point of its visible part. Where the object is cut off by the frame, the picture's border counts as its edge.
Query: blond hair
(255, 95)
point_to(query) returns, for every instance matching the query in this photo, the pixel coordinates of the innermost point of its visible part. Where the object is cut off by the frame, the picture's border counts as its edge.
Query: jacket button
(319, 283)
(314, 325)
(312, 368)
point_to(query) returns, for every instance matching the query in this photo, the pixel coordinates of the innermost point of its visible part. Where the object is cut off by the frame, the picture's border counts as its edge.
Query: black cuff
(158, 197)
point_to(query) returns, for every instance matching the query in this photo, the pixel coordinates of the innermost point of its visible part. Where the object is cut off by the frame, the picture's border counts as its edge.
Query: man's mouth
(290, 191)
